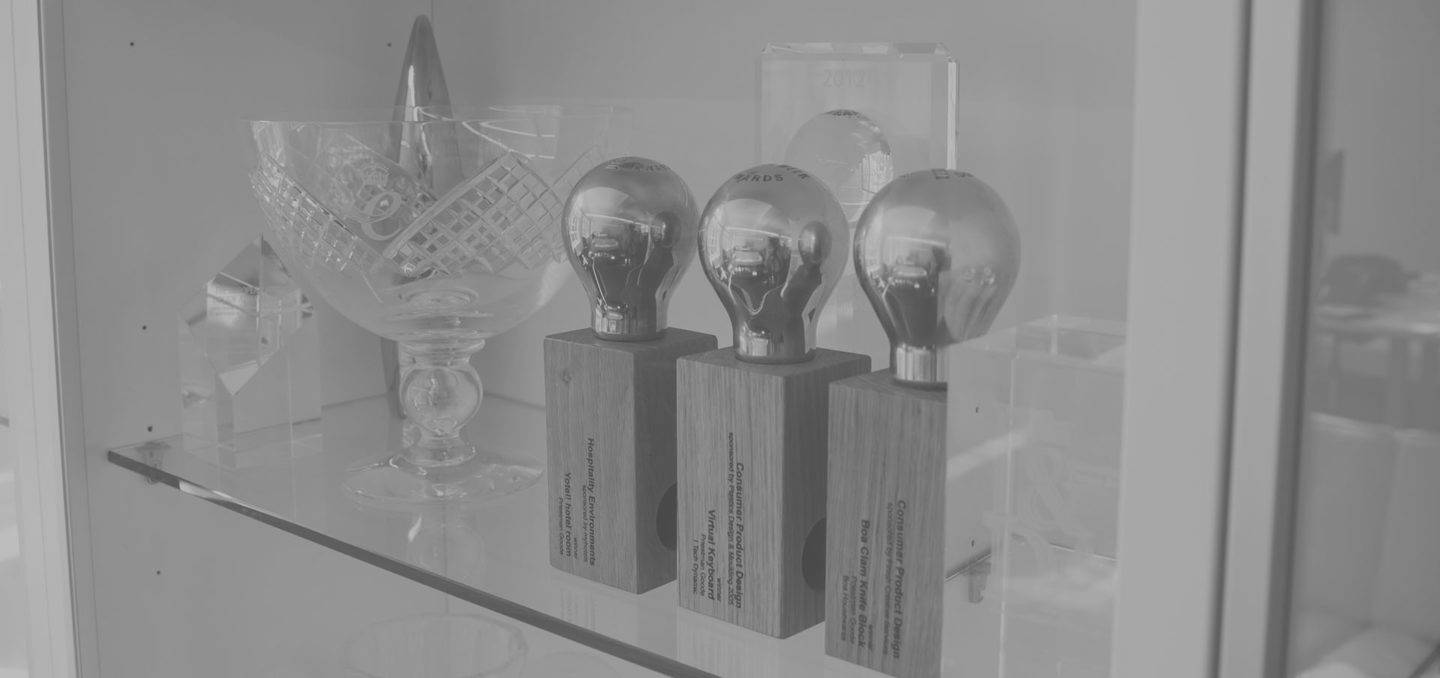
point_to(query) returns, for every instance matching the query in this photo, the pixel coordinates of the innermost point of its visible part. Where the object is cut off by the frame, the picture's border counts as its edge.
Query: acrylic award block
(1036, 409)
(974, 527)
(856, 115)
(899, 95)
(249, 364)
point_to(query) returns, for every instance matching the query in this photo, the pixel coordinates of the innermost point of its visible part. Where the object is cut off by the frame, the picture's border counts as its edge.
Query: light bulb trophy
(937, 253)
(752, 418)
(629, 227)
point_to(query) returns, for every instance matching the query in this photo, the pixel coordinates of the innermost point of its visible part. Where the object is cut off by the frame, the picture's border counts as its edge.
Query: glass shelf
(492, 554)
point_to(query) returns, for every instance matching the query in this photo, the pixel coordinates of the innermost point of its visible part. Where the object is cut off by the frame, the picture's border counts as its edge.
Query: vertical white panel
(1268, 359)
(1185, 202)
(30, 349)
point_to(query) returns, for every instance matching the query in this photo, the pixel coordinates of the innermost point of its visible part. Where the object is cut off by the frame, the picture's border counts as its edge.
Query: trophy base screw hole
(666, 519)
(812, 557)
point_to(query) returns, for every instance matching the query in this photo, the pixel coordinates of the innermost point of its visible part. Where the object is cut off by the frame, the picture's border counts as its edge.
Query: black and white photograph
(728, 339)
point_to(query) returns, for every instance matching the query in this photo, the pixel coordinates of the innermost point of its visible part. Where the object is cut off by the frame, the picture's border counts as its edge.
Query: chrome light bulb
(772, 244)
(630, 230)
(937, 253)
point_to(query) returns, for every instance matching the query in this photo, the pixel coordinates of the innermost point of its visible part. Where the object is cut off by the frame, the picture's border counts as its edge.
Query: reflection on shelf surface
(492, 554)
(495, 554)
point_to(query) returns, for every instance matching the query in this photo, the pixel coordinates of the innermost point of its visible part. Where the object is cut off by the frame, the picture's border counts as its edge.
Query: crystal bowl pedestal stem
(440, 392)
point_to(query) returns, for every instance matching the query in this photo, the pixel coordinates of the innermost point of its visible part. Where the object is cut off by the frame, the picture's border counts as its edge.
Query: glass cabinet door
(1365, 579)
(1079, 119)
(14, 651)
(35, 638)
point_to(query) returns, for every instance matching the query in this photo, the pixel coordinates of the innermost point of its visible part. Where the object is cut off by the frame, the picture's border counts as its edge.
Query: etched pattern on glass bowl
(456, 245)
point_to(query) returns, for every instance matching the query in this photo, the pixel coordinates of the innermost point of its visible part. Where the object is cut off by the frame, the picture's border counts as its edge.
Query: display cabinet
(1153, 338)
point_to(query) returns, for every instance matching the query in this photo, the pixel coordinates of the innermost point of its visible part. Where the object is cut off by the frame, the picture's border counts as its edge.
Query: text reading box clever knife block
(752, 487)
(610, 412)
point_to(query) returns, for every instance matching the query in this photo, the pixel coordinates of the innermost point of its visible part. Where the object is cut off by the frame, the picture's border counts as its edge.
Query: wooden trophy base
(886, 541)
(610, 409)
(752, 487)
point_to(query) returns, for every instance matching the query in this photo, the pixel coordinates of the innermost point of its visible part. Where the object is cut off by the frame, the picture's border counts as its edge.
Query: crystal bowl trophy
(422, 90)
(752, 418)
(630, 229)
(436, 228)
(937, 253)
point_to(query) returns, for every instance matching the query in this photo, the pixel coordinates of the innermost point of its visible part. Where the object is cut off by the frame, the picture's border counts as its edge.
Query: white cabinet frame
(1185, 244)
(40, 339)
(1273, 307)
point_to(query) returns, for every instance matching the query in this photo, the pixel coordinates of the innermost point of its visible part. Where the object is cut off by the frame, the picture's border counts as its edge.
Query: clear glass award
(906, 90)
(856, 115)
(249, 364)
(1036, 414)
